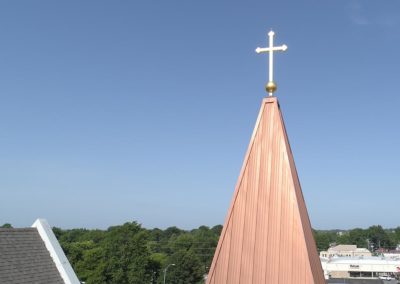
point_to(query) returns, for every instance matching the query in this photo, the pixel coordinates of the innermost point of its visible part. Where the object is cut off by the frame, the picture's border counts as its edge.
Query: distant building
(360, 267)
(392, 254)
(33, 255)
(345, 251)
(381, 250)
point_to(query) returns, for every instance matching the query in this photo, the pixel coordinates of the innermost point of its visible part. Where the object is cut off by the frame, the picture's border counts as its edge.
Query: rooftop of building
(25, 259)
(362, 260)
(344, 247)
(33, 255)
(354, 281)
(348, 248)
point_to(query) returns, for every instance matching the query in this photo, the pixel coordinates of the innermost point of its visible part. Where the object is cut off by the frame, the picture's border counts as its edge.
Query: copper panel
(267, 235)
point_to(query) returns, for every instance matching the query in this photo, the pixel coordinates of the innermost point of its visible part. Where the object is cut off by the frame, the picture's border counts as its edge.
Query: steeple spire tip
(271, 87)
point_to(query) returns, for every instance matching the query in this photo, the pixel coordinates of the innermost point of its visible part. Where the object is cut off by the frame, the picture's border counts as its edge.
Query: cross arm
(268, 49)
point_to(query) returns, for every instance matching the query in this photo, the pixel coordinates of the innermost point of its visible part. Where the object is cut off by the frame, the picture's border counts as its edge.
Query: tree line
(131, 254)
(372, 238)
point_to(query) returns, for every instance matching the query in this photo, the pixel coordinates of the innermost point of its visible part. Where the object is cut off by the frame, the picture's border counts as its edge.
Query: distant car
(386, 277)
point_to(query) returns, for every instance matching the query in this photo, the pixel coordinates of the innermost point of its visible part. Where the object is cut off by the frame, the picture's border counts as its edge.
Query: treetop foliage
(131, 254)
(372, 238)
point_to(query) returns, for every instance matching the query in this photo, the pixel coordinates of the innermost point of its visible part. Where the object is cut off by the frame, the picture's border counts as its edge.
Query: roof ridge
(17, 229)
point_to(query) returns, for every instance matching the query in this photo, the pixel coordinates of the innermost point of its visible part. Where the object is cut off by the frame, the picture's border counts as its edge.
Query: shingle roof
(25, 259)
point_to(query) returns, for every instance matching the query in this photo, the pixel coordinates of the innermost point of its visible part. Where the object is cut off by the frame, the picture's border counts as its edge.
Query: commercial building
(346, 251)
(360, 267)
(392, 254)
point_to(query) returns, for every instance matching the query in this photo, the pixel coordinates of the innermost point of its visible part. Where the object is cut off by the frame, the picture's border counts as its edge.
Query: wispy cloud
(356, 14)
(362, 13)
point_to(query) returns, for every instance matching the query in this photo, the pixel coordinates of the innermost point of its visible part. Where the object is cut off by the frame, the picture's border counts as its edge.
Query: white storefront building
(360, 267)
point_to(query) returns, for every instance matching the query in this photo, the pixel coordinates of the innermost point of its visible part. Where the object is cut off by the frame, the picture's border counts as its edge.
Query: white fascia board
(56, 252)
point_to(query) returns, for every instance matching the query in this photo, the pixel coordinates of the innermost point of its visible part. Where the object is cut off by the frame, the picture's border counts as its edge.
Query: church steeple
(267, 235)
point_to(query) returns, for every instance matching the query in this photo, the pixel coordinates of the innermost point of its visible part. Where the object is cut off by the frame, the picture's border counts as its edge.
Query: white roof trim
(56, 252)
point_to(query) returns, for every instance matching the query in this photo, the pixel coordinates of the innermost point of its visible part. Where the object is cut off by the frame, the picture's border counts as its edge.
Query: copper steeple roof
(267, 236)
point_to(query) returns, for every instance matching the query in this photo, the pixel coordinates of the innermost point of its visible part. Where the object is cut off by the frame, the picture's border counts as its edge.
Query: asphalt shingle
(25, 259)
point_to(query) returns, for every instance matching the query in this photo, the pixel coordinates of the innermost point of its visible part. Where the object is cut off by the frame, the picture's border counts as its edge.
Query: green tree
(127, 254)
(378, 237)
(58, 232)
(6, 225)
(130, 254)
(397, 236)
(322, 240)
(358, 237)
(344, 238)
(217, 230)
(205, 241)
(187, 270)
(171, 232)
(92, 267)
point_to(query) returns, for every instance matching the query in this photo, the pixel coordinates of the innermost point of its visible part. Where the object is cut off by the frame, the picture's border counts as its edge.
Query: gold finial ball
(270, 87)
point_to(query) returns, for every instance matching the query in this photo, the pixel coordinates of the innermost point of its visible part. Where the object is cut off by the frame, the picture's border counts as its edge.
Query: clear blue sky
(113, 111)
